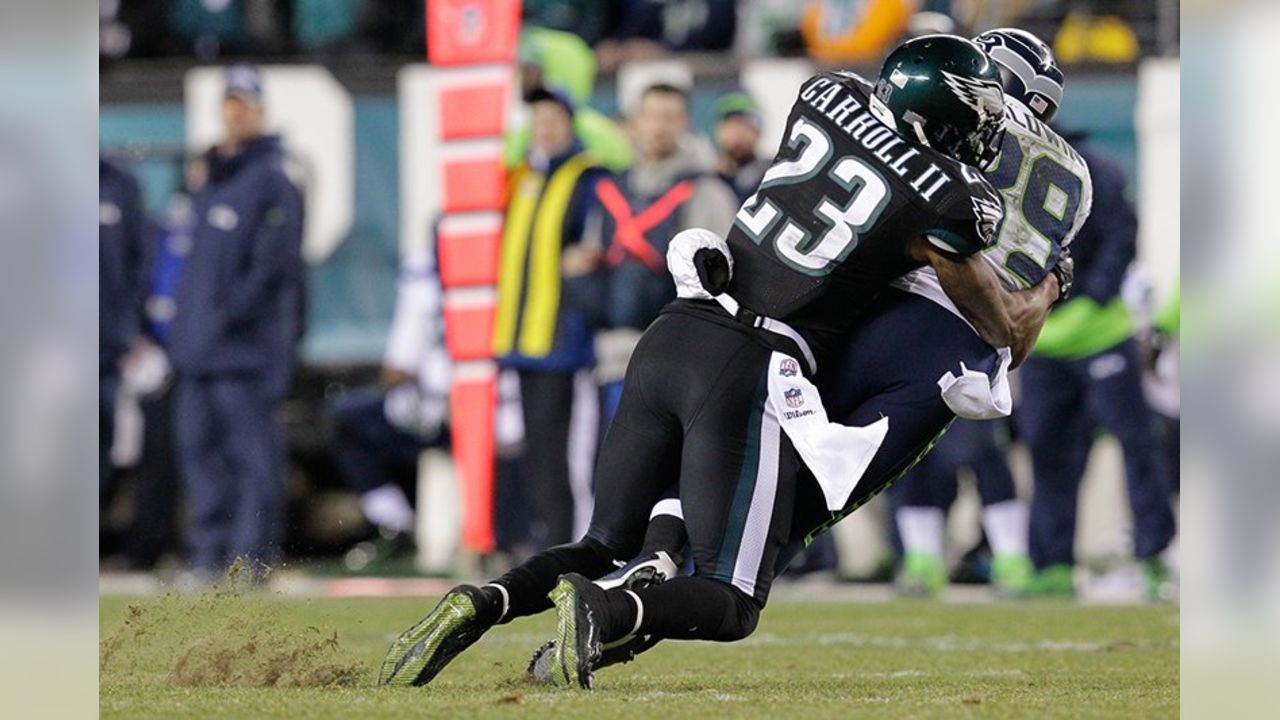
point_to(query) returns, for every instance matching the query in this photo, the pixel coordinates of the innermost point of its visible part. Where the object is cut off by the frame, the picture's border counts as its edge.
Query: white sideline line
(950, 643)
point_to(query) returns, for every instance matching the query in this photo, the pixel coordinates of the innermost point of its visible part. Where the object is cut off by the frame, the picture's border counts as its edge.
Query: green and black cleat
(422, 651)
(545, 659)
(578, 647)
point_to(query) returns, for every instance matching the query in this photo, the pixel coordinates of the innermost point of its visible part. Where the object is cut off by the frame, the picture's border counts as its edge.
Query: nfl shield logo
(788, 368)
(794, 397)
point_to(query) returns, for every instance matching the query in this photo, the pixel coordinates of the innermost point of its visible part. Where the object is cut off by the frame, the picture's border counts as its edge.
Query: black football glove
(1065, 271)
(713, 270)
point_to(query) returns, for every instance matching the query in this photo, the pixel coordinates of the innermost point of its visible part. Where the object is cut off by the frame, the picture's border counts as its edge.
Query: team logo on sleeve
(788, 368)
(794, 397)
(989, 212)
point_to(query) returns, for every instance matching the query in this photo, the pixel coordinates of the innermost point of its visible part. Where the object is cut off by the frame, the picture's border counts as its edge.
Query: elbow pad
(700, 263)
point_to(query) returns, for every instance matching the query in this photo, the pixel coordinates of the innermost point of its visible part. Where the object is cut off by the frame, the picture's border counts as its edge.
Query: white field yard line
(952, 643)
(913, 673)
(939, 643)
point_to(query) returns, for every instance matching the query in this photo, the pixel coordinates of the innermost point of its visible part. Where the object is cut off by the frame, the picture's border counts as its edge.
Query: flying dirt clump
(226, 637)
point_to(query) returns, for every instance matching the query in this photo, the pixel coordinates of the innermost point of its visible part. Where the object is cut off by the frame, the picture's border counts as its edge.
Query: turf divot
(228, 636)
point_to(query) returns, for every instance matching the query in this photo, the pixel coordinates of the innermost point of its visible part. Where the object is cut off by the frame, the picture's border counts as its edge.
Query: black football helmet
(945, 93)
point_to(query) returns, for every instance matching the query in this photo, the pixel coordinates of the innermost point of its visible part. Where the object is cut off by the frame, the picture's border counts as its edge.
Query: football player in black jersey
(870, 183)
(892, 360)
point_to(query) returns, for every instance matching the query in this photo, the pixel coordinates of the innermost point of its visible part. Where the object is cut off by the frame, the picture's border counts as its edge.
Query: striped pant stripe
(755, 533)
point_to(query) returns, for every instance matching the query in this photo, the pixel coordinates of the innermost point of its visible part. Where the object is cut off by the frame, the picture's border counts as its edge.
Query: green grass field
(211, 656)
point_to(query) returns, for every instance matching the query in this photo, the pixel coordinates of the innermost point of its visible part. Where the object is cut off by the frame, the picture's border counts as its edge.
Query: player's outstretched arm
(1002, 318)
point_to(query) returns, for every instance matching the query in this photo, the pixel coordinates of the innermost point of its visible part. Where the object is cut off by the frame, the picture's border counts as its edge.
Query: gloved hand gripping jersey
(700, 262)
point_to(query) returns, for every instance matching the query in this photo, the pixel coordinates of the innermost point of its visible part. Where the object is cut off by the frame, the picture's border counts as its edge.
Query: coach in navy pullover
(232, 337)
(235, 304)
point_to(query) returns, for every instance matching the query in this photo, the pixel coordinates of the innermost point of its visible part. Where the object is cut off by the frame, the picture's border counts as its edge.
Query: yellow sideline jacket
(529, 281)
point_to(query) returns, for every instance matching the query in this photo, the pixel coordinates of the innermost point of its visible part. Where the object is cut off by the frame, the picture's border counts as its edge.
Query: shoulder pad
(849, 75)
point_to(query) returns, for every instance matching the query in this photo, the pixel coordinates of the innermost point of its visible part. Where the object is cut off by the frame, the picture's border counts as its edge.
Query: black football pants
(694, 412)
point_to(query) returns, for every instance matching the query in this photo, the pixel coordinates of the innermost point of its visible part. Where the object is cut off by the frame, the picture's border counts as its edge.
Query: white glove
(975, 396)
(680, 263)
(146, 370)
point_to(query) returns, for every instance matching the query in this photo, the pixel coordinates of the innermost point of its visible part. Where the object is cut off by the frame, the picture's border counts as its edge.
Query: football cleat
(616, 653)
(422, 651)
(1055, 581)
(923, 575)
(1158, 581)
(578, 645)
(1011, 575)
(641, 573)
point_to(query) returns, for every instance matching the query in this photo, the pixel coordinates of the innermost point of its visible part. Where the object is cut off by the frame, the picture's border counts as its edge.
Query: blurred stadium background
(348, 86)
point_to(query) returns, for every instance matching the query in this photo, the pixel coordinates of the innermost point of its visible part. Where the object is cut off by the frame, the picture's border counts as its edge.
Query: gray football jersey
(1047, 194)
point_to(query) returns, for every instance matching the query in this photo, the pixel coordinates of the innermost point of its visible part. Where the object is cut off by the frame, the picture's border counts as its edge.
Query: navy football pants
(889, 367)
(973, 444)
(230, 455)
(1063, 403)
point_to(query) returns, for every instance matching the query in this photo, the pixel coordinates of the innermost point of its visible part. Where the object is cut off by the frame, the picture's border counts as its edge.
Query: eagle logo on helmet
(984, 97)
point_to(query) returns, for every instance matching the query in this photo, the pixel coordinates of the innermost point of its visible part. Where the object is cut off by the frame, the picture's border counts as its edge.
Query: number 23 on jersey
(864, 195)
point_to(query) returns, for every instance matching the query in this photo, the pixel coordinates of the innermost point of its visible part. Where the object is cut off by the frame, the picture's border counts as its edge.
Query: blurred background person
(148, 381)
(670, 187)
(1085, 374)
(1164, 384)
(1157, 331)
(553, 58)
(736, 135)
(923, 498)
(232, 337)
(381, 430)
(543, 328)
(122, 282)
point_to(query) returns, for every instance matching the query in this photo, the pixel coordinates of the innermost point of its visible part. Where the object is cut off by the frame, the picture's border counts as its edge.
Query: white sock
(667, 506)
(386, 506)
(639, 612)
(921, 529)
(1006, 526)
(506, 599)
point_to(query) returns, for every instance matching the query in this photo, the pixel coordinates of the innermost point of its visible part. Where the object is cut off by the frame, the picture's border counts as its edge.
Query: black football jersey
(831, 223)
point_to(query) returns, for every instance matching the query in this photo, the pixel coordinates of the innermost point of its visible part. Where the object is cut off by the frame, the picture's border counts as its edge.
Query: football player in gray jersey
(1047, 194)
